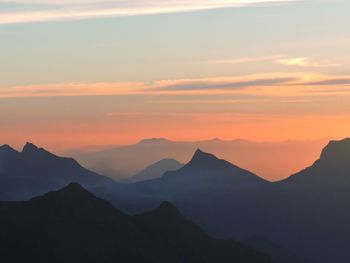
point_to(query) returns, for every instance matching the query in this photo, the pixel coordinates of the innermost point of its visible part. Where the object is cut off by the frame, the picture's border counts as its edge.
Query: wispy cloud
(305, 62)
(225, 84)
(246, 60)
(53, 10)
(330, 82)
(269, 84)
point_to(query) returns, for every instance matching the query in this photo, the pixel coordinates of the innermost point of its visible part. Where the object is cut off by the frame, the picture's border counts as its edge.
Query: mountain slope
(307, 214)
(191, 245)
(205, 179)
(156, 170)
(35, 171)
(72, 225)
(204, 172)
(331, 169)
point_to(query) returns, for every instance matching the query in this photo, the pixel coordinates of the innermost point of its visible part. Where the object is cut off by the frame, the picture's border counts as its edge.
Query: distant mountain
(271, 160)
(72, 225)
(156, 170)
(35, 171)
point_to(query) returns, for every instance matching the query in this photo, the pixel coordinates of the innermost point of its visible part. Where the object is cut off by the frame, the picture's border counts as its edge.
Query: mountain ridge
(72, 225)
(34, 171)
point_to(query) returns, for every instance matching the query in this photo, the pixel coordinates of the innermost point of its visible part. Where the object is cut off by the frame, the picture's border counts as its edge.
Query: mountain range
(72, 225)
(283, 158)
(304, 216)
(34, 171)
(307, 213)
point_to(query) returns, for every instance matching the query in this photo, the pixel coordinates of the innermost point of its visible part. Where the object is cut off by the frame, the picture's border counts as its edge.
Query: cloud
(53, 10)
(276, 84)
(225, 85)
(329, 82)
(245, 60)
(304, 62)
(71, 89)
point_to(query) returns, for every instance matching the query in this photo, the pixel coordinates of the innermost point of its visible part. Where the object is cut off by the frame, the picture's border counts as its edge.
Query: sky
(92, 72)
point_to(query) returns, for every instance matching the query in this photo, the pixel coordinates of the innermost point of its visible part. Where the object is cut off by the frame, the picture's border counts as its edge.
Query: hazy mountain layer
(156, 170)
(273, 161)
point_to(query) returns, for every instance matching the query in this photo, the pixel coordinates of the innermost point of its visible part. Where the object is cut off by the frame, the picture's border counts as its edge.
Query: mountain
(331, 169)
(278, 253)
(205, 176)
(305, 216)
(271, 160)
(72, 225)
(204, 172)
(156, 170)
(35, 171)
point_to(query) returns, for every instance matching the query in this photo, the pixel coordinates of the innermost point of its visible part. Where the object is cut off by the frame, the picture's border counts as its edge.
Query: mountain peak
(29, 147)
(74, 187)
(333, 163)
(206, 161)
(72, 192)
(336, 150)
(31, 150)
(167, 206)
(203, 158)
(6, 148)
(167, 209)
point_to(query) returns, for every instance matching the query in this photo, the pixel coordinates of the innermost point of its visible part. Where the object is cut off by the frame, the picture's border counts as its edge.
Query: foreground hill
(72, 225)
(34, 171)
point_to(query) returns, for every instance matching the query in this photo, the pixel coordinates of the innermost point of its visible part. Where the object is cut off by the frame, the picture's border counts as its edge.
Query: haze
(255, 70)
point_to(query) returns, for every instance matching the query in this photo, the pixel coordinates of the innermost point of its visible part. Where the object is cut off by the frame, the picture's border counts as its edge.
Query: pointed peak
(167, 205)
(206, 161)
(168, 209)
(74, 187)
(73, 191)
(199, 155)
(29, 147)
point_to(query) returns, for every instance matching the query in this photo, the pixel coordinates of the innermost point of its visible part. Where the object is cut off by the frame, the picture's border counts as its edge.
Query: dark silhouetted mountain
(72, 225)
(156, 170)
(331, 169)
(279, 254)
(35, 171)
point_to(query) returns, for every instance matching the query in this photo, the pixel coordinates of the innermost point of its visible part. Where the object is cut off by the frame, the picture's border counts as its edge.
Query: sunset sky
(91, 72)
